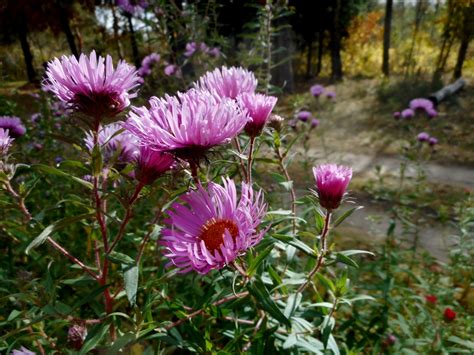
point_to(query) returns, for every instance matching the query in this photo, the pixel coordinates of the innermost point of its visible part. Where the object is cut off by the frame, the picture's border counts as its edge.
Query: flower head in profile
(14, 126)
(408, 113)
(91, 85)
(114, 143)
(421, 104)
(316, 90)
(188, 124)
(132, 7)
(331, 184)
(423, 137)
(228, 82)
(258, 107)
(304, 116)
(209, 228)
(151, 164)
(5, 141)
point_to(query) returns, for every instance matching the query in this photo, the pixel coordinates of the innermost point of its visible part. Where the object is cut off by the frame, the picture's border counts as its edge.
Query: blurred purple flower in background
(316, 90)
(304, 116)
(396, 115)
(408, 113)
(35, 117)
(14, 126)
(331, 95)
(132, 7)
(147, 64)
(314, 123)
(421, 104)
(214, 52)
(171, 70)
(432, 113)
(423, 137)
(432, 141)
(191, 48)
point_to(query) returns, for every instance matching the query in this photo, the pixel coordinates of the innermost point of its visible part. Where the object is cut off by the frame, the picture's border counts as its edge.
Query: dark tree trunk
(319, 66)
(461, 57)
(386, 37)
(28, 56)
(66, 26)
(336, 61)
(309, 58)
(133, 42)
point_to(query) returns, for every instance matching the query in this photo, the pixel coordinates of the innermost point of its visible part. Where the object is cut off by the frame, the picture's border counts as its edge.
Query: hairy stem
(292, 189)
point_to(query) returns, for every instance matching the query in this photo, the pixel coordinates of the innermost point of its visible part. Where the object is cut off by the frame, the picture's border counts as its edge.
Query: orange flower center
(214, 230)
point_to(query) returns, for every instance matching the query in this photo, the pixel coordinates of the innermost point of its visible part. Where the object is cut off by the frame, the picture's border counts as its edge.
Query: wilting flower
(314, 123)
(421, 104)
(5, 141)
(275, 122)
(76, 336)
(132, 7)
(22, 351)
(259, 108)
(228, 82)
(188, 124)
(396, 115)
(408, 113)
(210, 228)
(431, 299)
(91, 85)
(316, 90)
(151, 164)
(423, 137)
(171, 70)
(331, 184)
(13, 125)
(449, 315)
(303, 115)
(331, 95)
(122, 145)
(432, 141)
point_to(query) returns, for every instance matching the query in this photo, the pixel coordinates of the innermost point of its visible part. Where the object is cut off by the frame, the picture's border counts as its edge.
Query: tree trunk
(447, 91)
(133, 41)
(336, 61)
(66, 26)
(319, 66)
(386, 37)
(28, 56)
(309, 58)
(115, 27)
(461, 57)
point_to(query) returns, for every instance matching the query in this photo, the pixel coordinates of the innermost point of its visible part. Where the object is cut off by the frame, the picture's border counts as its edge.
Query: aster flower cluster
(318, 90)
(417, 106)
(147, 64)
(425, 137)
(194, 47)
(132, 7)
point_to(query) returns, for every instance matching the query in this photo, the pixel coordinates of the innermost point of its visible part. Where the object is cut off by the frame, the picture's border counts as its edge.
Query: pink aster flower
(421, 104)
(304, 116)
(14, 126)
(210, 228)
(423, 137)
(124, 145)
(91, 85)
(152, 164)
(5, 141)
(259, 107)
(228, 82)
(331, 184)
(408, 113)
(188, 124)
(316, 90)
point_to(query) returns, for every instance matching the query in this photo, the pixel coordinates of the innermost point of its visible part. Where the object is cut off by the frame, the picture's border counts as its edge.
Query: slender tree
(466, 33)
(386, 37)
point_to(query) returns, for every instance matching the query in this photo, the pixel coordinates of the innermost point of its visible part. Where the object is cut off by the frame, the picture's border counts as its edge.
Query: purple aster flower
(331, 184)
(432, 113)
(421, 104)
(187, 124)
(91, 85)
(304, 115)
(228, 82)
(432, 141)
(132, 7)
(191, 48)
(210, 229)
(331, 95)
(13, 125)
(258, 107)
(396, 115)
(22, 351)
(123, 145)
(408, 113)
(316, 90)
(423, 137)
(171, 70)
(214, 52)
(5, 141)
(314, 123)
(151, 164)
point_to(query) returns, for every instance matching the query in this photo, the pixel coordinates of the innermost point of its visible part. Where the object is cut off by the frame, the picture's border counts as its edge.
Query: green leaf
(90, 296)
(346, 214)
(54, 227)
(54, 171)
(130, 278)
(119, 258)
(292, 304)
(346, 260)
(94, 337)
(258, 260)
(467, 343)
(97, 163)
(258, 290)
(326, 282)
(296, 243)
